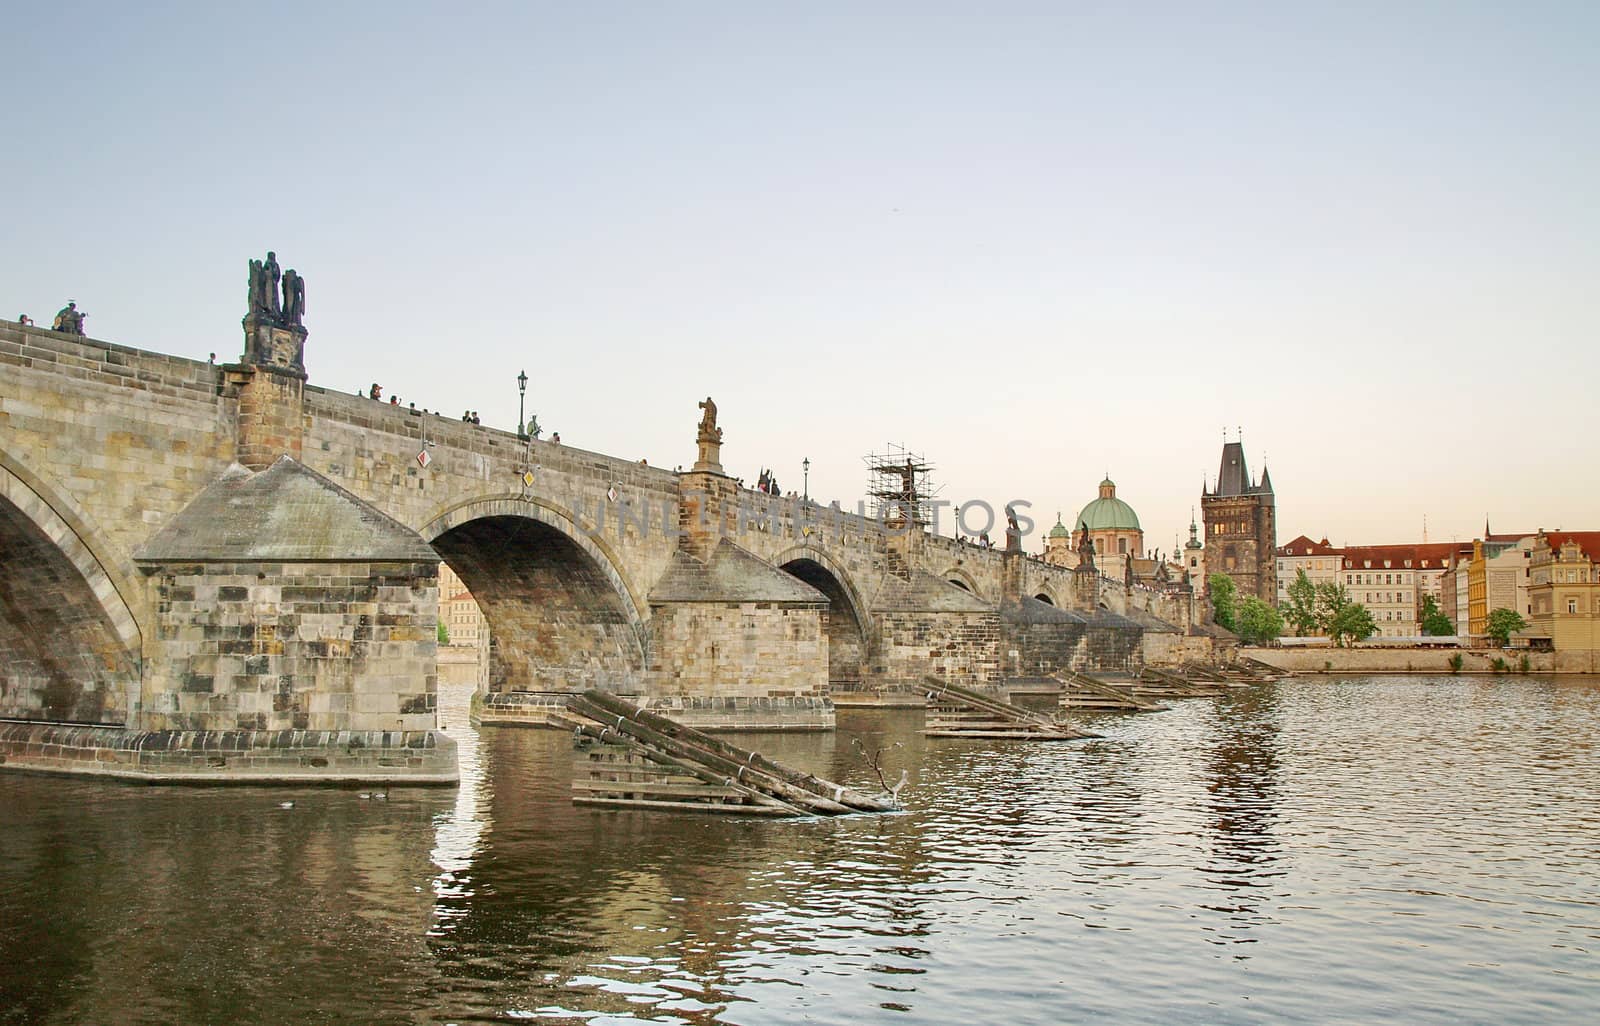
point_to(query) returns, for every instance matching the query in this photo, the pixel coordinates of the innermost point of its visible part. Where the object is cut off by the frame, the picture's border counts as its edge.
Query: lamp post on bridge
(805, 467)
(522, 392)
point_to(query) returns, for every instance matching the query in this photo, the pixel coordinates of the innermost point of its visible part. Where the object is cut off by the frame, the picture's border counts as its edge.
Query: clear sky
(1036, 242)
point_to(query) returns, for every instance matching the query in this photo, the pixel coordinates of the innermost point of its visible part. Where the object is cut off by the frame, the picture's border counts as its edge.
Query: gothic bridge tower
(1240, 516)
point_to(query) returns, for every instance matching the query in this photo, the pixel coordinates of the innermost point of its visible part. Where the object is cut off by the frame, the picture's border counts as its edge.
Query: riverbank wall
(1419, 660)
(416, 758)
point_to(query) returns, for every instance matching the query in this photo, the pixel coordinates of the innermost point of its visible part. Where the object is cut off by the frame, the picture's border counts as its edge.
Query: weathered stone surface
(921, 592)
(287, 513)
(730, 575)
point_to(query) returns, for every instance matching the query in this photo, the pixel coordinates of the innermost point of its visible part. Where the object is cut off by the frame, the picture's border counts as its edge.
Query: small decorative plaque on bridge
(424, 459)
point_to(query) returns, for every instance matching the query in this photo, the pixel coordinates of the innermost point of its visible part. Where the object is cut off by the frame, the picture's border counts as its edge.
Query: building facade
(1564, 589)
(458, 611)
(1497, 578)
(1392, 580)
(1240, 517)
(1320, 560)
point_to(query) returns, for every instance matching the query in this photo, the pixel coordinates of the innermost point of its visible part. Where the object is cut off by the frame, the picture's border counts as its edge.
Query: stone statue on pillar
(1013, 532)
(708, 439)
(274, 333)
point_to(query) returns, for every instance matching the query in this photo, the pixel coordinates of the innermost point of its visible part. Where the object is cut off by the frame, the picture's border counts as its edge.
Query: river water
(1336, 851)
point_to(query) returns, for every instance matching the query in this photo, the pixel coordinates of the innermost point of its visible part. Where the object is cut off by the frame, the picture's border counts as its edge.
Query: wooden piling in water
(1081, 691)
(956, 711)
(711, 762)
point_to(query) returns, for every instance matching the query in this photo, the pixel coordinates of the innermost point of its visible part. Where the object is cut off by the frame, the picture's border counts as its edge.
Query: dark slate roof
(1106, 618)
(287, 513)
(1031, 611)
(731, 575)
(1233, 476)
(925, 593)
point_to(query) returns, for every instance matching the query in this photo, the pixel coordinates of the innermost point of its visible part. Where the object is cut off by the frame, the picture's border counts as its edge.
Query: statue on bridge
(708, 440)
(709, 432)
(69, 320)
(275, 334)
(294, 297)
(265, 302)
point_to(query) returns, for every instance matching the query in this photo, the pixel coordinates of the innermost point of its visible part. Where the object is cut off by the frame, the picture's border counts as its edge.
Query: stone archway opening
(1046, 599)
(958, 582)
(846, 639)
(61, 657)
(555, 619)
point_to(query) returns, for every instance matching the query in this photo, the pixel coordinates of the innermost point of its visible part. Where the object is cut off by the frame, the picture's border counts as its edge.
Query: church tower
(1240, 515)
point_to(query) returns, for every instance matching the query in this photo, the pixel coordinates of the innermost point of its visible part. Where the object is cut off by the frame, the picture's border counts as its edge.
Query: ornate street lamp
(522, 392)
(805, 465)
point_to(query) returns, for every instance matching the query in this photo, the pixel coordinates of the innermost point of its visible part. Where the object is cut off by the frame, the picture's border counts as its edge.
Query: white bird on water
(286, 805)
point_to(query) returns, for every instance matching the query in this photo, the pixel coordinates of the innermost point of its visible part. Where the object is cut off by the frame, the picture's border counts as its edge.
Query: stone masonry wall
(126, 436)
(324, 646)
(737, 650)
(1111, 649)
(1042, 649)
(961, 647)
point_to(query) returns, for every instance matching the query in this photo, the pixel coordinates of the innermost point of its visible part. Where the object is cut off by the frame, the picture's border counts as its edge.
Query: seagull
(286, 805)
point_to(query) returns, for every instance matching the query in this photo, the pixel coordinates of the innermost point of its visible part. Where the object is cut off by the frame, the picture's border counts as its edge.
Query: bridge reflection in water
(1302, 851)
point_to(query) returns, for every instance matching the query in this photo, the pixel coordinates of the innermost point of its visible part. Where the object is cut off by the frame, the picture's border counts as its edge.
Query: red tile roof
(1303, 546)
(1588, 542)
(1425, 556)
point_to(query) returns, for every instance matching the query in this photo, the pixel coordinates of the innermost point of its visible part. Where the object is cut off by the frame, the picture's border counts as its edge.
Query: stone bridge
(188, 546)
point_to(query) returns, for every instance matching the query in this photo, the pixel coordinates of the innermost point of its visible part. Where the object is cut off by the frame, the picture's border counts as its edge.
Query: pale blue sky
(1035, 241)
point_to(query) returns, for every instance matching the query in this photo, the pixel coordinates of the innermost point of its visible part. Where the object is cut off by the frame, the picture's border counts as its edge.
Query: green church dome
(1109, 513)
(1060, 530)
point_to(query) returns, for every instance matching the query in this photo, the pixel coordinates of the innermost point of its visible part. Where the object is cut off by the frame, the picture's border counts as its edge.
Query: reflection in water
(1419, 850)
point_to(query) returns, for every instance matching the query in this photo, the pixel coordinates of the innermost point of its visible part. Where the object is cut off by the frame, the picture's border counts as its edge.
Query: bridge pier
(736, 643)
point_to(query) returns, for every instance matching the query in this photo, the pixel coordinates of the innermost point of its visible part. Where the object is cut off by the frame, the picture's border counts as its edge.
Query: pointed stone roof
(731, 575)
(1104, 617)
(925, 593)
(1031, 611)
(287, 513)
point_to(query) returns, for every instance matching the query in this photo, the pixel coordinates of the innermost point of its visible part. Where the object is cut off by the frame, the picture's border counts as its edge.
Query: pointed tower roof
(1233, 477)
(1266, 480)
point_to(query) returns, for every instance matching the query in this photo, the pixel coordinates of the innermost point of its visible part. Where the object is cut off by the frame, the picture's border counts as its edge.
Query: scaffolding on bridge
(900, 485)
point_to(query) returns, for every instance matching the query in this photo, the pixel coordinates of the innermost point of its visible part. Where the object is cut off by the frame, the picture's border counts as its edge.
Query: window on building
(1572, 605)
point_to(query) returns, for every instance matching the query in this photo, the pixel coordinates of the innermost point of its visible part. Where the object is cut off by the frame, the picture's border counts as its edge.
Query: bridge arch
(961, 579)
(1047, 598)
(562, 615)
(848, 626)
(70, 645)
